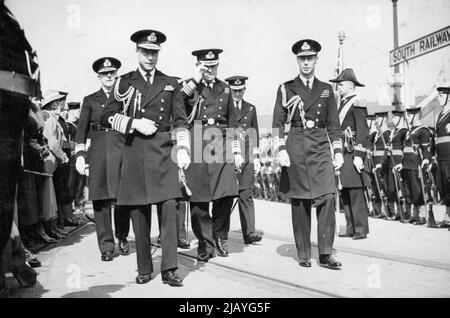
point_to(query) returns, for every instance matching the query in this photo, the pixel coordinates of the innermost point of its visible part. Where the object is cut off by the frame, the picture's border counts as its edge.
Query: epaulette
(126, 74)
(288, 82)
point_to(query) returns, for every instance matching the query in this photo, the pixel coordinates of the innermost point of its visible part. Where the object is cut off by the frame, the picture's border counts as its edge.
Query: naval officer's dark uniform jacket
(104, 157)
(380, 157)
(355, 134)
(443, 156)
(211, 175)
(310, 176)
(210, 181)
(247, 121)
(148, 175)
(397, 141)
(416, 143)
(105, 152)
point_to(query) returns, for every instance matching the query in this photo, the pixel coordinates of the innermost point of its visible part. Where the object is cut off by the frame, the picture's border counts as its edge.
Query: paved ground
(397, 260)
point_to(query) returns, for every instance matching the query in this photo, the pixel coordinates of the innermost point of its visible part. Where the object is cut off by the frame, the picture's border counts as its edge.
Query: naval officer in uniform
(102, 160)
(145, 105)
(443, 152)
(308, 173)
(248, 126)
(212, 176)
(355, 134)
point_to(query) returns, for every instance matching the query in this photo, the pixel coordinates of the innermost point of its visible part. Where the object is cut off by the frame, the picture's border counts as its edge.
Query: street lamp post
(397, 85)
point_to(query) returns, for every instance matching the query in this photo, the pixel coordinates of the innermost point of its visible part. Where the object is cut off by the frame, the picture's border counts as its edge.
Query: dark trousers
(356, 211)
(443, 180)
(413, 189)
(121, 222)
(246, 211)
(103, 225)
(207, 228)
(181, 216)
(141, 219)
(326, 223)
(9, 177)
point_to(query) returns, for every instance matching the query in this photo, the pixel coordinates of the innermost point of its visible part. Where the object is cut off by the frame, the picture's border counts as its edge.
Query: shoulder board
(126, 74)
(288, 82)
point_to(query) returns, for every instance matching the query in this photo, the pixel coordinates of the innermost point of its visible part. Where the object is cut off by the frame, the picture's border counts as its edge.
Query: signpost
(421, 46)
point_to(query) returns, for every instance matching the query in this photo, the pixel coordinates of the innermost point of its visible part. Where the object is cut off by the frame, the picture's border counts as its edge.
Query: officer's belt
(299, 124)
(379, 153)
(441, 140)
(98, 127)
(397, 152)
(409, 150)
(214, 123)
(19, 83)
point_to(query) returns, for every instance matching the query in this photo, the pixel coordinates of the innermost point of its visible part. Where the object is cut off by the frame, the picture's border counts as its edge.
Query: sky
(256, 36)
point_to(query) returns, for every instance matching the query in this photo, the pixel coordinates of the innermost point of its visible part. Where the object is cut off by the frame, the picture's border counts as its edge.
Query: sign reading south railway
(424, 45)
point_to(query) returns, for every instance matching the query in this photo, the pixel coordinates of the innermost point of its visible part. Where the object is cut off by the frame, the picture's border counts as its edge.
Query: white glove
(238, 160)
(256, 165)
(183, 159)
(283, 158)
(338, 161)
(378, 166)
(145, 126)
(86, 171)
(358, 163)
(425, 162)
(398, 167)
(80, 165)
(198, 73)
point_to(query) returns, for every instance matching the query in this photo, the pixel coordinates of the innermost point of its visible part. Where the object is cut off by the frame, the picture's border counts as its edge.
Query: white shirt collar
(303, 79)
(106, 92)
(143, 73)
(238, 104)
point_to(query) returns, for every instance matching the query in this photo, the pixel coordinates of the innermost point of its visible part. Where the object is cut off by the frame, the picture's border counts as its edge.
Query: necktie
(148, 77)
(308, 87)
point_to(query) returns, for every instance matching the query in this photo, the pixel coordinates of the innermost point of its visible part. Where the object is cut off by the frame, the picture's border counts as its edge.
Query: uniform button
(161, 109)
(143, 110)
(204, 116)
(204, 107)
(103, 105)
(245, 125)
(221, 99)
(160, 118)
(220, 107)
(317, 119)
(218, 116)
(245, 117)
(318, 113)
(320, 105)
(162, 100)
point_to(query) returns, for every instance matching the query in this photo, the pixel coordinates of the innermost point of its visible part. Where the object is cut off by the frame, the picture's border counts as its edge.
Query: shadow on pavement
(102, 291)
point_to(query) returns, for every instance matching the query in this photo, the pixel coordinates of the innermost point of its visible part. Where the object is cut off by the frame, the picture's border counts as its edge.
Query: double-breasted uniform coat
(148, 175)
(104, 157)
(310, 177)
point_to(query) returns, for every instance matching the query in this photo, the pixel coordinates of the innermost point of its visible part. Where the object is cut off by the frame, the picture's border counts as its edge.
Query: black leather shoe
(124, 247)
(221, 247)
(252, 238)
(421, 221)
(171, 278)
(443, 225)
(346, 235)
(107, 257)
(359, 236)
(397, 217)
(184, 244)
(306, 262)
(329, 262)
(143, 278)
